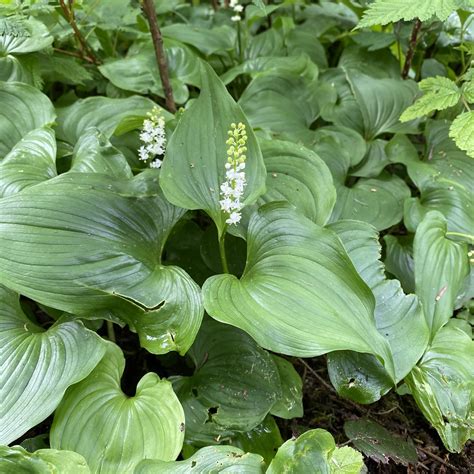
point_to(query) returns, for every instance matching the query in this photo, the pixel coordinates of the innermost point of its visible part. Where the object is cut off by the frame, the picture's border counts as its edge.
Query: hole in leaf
(211, 411)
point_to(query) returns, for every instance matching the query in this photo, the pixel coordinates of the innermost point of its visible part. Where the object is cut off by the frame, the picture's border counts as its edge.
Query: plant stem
(239, 41)
(225, 267)
(411, 48)
(86, 50)
(110, 331)
(148, 8)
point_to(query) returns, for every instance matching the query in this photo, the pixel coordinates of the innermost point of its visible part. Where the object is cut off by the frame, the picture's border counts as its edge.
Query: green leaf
(38, 366)
(379, 444)
(207, 40)
(442, 385)
(264, 439)
(138, 72)
(113, 431)
(399, 260)
(31, 161)
(91, 245)
(64, 69)
(94, 153)
(386, 11)
(105, 113)
(441, 266)
(462, 131)
(299, 294)
(23, 109)
(211, 459)
(315, 451)
(24, 68)
(235, 384)
(34, 36)
(194, 167)
(399, 319)
(290, 405)
(439, 93)
(16, 460)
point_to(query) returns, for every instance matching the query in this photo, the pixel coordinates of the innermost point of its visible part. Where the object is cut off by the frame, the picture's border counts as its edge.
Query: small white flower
(232, 188)
(236, 18)
(154, 138)
(234, 218)
(238, 8)
(233, 3)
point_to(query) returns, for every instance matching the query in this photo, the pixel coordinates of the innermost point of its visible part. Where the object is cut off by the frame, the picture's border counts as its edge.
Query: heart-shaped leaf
(299, 294)
(235, 385)
(38, 366)
(441, 267)
(21, 36)
(113, 431)
(91, 245)
(442, 385)
(212, 459)
(315, 451)
(23, 108)
(194, 167)
(31, 161)
(16, 460)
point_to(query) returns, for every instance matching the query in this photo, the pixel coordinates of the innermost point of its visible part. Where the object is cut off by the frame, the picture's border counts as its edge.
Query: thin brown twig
(75, 55)
(87, 51)
(411, 48)
(150, 14)
(437, 458)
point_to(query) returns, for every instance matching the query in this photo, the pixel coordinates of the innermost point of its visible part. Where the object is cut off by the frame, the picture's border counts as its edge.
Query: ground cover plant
(236, 236)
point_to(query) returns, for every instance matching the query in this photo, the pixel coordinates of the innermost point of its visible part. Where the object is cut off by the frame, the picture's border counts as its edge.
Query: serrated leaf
(16, 460)
(22, 109)
(31, 161)
(235, 384)
(211, 459)
(378, 443)
(37, 366)
(443, 388)
(439, 93)
(386, 11)
(194, 167)
(315, 451)
(113, 431)
(462, 131)
(441, 266)
(90, 244)
(296, 267)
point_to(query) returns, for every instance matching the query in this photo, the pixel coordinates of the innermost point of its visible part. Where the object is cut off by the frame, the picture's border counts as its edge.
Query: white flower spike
(234, 4)
(232, 189)
(154, 138)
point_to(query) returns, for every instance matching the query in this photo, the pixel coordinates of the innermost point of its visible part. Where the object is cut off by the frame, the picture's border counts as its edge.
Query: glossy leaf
(315, 451)
(211, 459)
(399, 319)
(33, 37)
(104, 113)
(442, 385)
(16, 460)
(399, 260)
(37, 366)
(22, 109)
(235, 385)
(299, 294)
(194, 167)
(113, 431)
(441, 266)
(31, 161)
(91, 245)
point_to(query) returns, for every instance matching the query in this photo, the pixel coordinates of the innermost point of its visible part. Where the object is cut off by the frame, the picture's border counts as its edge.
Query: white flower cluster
(238, 9)
(232, 188)
(154, 138)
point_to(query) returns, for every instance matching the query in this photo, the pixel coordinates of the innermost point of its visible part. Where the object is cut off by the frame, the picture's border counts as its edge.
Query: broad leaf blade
(115, 432)
(194, 166)
(38, 366)
(299, 294)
